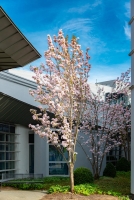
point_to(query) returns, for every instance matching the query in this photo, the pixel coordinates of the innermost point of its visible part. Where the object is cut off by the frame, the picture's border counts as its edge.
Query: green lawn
(121, 183)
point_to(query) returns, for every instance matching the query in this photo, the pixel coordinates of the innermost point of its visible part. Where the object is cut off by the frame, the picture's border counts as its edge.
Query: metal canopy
(15, 49)
(14, 111)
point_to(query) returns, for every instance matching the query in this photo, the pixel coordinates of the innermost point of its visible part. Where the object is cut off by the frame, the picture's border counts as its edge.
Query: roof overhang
(14, 111)
(15, 49)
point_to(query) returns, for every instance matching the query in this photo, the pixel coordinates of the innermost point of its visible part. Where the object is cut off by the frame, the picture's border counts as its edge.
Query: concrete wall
(17, 87)
(82, 160)
(40, 155)
(22, 165)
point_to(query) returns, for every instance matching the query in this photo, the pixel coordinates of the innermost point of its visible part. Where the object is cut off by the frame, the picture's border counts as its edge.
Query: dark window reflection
(58, 169)
(55, 155)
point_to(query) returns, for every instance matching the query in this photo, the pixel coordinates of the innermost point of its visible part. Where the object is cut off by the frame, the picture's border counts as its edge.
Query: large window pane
(2, 156)
(2, 165)
(12, 129)
(55, 155)
(10, 147)
(7, 148)
(2, 137)
(10, 156)
(10, 165)
(58, 169)
(2, 147)
(4, 128)
(31, 138)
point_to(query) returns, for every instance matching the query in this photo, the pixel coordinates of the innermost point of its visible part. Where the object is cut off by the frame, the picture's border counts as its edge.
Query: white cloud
(84, 8)
(78, 25)
(127, 31)
(97, 3)
(80, 9)
(97, 45)
(85, 31)
(127, 7)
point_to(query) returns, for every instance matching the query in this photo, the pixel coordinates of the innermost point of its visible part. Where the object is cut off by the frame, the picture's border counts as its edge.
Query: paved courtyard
(21, 194)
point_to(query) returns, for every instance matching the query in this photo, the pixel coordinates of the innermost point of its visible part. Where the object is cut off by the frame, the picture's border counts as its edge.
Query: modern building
(15, 51)
(22, 151)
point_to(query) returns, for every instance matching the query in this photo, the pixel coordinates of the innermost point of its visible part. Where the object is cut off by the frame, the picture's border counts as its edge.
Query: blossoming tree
(62, 90)
(106, 123)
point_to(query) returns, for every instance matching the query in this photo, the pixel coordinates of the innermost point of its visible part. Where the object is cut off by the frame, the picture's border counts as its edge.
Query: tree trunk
(96, 176)
(125, 152)
(71, 173)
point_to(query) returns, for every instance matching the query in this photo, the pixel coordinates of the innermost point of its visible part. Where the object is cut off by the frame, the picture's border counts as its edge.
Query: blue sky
(101, 25)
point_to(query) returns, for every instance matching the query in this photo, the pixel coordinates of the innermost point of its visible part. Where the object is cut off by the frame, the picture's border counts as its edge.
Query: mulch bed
(68, 196)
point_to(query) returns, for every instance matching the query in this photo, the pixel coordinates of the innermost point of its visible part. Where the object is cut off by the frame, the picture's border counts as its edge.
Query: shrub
(123, 165)
(86, 189)
(82, 175)
(124, 174)
(110, 170)
(58, 189)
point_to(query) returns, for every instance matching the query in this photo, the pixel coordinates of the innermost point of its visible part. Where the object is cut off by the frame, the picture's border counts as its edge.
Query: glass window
(10, 147)
(55, 155)
(58, 159)
(2, 156)
(7, 148)
(5, 128)
(31, 138)
(10, 156)
(58, 169)
(12, 129)
(2, 137)
(2, 147)
(2, 165)
(10, 138)
(10, 165)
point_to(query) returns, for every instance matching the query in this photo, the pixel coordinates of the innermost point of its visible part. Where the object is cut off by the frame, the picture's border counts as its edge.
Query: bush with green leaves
(26, 186)
(123, 165)
(110, 170)
(124, 174)
(82, 175)
(85, 189)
